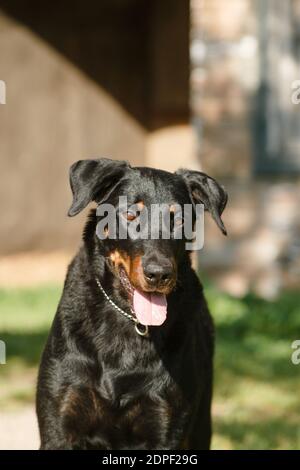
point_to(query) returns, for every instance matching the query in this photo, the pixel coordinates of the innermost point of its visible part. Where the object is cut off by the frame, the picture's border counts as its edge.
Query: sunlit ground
(256, 399)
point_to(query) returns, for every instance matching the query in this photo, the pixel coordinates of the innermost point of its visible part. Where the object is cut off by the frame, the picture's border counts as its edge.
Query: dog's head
(148, 204)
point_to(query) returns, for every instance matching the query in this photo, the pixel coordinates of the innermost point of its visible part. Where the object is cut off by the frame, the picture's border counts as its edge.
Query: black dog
(107, 379)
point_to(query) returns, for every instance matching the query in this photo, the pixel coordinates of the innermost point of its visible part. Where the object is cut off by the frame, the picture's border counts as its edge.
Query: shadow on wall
(126, 46)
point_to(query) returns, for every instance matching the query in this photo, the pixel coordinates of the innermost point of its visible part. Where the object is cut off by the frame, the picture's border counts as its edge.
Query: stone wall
(262, 250)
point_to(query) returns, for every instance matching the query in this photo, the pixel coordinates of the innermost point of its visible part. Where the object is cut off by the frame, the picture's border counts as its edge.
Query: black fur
(102, 386)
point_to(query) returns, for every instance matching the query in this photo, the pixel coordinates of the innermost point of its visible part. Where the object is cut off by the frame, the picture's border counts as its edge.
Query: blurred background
(204, 84)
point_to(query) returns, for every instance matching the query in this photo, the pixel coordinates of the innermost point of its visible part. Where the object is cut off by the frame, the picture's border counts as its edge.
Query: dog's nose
(156, 274)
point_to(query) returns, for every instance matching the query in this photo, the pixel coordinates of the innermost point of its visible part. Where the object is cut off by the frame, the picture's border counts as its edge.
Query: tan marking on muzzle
(135, 272)
(132, 266)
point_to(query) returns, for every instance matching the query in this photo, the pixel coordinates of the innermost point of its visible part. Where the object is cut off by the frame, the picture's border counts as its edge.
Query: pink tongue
(150, 309)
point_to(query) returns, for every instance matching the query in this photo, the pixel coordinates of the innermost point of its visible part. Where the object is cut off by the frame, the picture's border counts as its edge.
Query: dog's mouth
(150, 307)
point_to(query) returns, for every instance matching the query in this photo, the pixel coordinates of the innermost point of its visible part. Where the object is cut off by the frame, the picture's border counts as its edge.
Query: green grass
(25, 318)
(256, 402)
(256, 398)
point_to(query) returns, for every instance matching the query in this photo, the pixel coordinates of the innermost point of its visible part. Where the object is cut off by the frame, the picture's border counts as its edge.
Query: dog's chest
(143, 407)
(134, 408)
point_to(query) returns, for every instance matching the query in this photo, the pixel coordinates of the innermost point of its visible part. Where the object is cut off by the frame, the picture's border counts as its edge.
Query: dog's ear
(204, 189)
(94, 180)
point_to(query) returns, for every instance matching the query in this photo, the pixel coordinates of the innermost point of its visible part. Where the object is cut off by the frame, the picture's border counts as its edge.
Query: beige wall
(53, 116)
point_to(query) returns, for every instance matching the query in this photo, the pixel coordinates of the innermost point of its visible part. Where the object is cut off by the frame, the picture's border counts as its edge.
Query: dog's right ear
(94, 180)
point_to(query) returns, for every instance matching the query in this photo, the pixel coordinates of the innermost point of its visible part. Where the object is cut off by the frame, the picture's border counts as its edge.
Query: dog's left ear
(94, 180)
(204, 189)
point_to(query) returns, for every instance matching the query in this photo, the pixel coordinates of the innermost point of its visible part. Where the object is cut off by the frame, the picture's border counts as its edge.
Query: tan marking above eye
(175, 208)
(140, 205)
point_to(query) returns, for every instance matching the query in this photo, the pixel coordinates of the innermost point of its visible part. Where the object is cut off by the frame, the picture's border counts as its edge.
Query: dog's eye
(178, 221)
(130, 216)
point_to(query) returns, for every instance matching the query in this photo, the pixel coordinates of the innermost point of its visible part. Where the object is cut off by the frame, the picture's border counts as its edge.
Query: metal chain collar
(131, 316)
